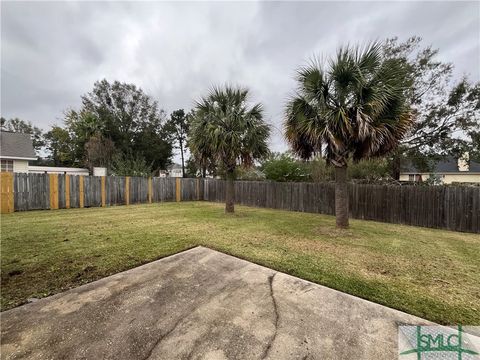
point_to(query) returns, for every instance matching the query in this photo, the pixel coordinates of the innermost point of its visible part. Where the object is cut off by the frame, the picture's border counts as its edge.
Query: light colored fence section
(43, 191)
(7, 191)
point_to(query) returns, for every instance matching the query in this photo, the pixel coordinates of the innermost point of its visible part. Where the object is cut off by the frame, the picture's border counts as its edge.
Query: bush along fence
(442, 207)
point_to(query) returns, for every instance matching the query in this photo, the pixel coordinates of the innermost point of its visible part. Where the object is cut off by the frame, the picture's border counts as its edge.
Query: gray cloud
(53, 52)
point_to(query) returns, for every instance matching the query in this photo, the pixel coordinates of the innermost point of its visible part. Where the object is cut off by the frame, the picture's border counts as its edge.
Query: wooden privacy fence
(51, 191)
(442, 207)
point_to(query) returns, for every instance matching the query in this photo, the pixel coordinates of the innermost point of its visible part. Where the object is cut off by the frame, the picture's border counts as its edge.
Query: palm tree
(354, 106)
(225, 129)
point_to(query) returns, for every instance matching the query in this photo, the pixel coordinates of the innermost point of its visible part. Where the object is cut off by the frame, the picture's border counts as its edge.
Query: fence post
(7, 201)
(81, 196)
(67, 191)
(197, 181)
(178, 189)
(103, 195)
(53, 191)
(150, 190)
(127, 190)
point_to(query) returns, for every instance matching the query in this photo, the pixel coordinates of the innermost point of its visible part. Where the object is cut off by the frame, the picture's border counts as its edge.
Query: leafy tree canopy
(284, 167)
(59, 144)
(99, 151)
(130, 165)
(446, 111)
(127, 116)
(196, 166)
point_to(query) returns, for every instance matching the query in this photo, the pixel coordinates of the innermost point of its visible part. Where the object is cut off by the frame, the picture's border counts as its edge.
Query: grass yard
(434, 274)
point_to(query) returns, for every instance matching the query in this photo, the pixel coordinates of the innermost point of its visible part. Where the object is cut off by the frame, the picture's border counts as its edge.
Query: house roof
(449, 165)
(16, 146)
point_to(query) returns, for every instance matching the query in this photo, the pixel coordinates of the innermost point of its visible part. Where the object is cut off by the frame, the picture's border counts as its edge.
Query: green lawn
(429, 273)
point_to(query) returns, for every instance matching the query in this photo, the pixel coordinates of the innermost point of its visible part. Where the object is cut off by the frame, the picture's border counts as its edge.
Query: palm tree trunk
(183, 161)
(341, 197)
(230, 192)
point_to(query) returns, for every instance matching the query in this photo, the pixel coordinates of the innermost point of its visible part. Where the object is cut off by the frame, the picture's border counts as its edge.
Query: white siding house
(174, 170)
(57, 170)
(16, 150)
(447, 172)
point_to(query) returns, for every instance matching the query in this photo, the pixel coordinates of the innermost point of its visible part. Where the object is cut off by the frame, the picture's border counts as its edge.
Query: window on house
(7, 165)
(415, 177)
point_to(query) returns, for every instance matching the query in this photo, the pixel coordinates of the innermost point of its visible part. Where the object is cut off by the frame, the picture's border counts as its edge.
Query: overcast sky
(53, 52)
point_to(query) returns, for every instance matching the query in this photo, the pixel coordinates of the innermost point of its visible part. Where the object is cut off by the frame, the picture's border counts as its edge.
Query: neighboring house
(163, 173)
(447, 172)
(97, 171)
(58, 170)
(174, 170)
(16, 150)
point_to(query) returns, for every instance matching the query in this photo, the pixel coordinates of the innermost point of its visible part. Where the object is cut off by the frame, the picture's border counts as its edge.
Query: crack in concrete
(194, 347)
(162, 337)
(150, 352)
(277, 317)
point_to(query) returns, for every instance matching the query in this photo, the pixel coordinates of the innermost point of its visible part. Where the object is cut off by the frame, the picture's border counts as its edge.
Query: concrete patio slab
(201, 304)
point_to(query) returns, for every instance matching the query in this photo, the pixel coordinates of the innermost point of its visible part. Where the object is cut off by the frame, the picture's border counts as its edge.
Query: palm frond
(227, 129)
(354, 106)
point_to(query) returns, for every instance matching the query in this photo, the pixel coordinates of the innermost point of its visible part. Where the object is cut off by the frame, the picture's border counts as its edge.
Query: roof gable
(16, 145)
(449, 165)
